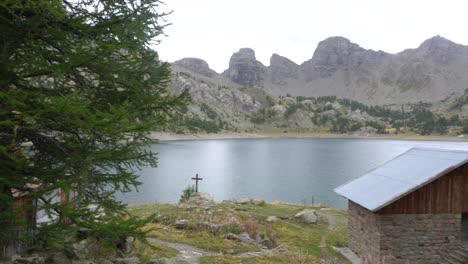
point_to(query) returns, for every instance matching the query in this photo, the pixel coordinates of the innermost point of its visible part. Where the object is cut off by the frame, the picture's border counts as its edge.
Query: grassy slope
(305, 243)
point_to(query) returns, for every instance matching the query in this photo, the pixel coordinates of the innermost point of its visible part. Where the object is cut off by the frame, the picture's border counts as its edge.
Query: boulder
(200, 198)
(258, 201)
(243, 200)
(83, 249)
(161, 218)
(181, 223)
(308, 216)
(231, 236)
(245, 237)
(272, 218)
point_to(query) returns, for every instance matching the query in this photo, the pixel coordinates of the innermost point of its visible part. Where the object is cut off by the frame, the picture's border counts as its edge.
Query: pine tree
(80, 90)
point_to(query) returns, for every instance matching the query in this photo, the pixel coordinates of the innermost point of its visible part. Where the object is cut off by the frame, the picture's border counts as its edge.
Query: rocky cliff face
(244, 68)
(196, 65)
(430, 73)
(282, 69)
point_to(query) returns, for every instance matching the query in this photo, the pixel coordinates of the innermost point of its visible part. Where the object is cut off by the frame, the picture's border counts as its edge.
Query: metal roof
(400, 176)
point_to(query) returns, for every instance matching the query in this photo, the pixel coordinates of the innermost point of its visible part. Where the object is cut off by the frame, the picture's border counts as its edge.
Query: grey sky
(214, 29)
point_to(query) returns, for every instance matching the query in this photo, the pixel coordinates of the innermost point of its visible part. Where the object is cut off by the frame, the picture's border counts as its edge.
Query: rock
(281, 69)
(272, 218)
(200, 198)
(16, 259)
(308, 216)
(83, 249)
(132, 260)
(278, 109)
(161, 218)
(196, 65)
(181, 223)
(243, 200)
(231, 236)
(245, 237)
(258, 201)
(244, 68)
(359, 116)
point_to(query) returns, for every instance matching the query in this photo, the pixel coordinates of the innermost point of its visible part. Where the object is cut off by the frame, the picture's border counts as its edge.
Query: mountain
(431, 73)
(343, 88)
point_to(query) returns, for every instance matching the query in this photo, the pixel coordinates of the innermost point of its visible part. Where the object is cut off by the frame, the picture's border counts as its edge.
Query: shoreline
(163, 136)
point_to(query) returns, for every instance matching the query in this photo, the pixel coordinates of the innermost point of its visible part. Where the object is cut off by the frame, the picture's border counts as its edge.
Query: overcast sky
(214, 29)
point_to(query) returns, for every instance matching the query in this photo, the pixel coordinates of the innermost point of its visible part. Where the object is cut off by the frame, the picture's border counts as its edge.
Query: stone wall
(364, 236)
(402, 238)
(418, 238)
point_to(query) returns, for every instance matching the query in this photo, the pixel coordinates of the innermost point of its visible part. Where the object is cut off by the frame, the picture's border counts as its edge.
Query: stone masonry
(364, 234)
(402, 238)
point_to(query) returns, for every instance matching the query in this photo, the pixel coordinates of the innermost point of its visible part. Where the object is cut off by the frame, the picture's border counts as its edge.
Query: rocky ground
(246, 230)
(200, 230)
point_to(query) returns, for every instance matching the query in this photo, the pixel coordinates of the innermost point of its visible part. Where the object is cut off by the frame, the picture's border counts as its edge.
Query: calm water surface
(288, 170)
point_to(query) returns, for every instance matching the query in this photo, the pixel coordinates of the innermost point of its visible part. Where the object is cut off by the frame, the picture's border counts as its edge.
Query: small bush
(187, 193)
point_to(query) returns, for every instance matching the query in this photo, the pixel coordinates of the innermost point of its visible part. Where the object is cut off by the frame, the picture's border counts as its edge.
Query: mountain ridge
(338, 67)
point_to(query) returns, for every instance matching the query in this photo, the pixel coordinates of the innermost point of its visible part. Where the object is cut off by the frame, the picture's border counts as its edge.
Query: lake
(288, 170)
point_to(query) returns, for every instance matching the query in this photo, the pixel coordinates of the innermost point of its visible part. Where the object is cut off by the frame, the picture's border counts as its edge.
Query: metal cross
(196, 182)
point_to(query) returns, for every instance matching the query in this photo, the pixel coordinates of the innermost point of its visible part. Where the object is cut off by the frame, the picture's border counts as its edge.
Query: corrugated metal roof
(400, 176)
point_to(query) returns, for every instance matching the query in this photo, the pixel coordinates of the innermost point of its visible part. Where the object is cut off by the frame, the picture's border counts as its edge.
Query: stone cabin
(412, 209)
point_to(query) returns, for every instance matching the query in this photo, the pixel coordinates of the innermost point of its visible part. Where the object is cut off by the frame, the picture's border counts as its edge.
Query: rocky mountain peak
(282, 69)
(440, 49)
(335, 51)
(246, 53)
(437, 42)
(244, 68)
(196, 65)
(280, 61)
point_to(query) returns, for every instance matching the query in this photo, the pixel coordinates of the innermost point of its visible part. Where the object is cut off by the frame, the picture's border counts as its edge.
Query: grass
(303, 243)
(148, 252)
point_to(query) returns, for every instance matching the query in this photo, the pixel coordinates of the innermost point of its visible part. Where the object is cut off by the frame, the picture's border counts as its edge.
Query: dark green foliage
(258, 118)
(196, 124)
(187, 193)
(80, 90)
(270, 100)
(291, 109)
(205, 108)
(341, 125)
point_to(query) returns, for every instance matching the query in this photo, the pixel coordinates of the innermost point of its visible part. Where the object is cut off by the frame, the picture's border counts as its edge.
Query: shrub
(187, 193)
